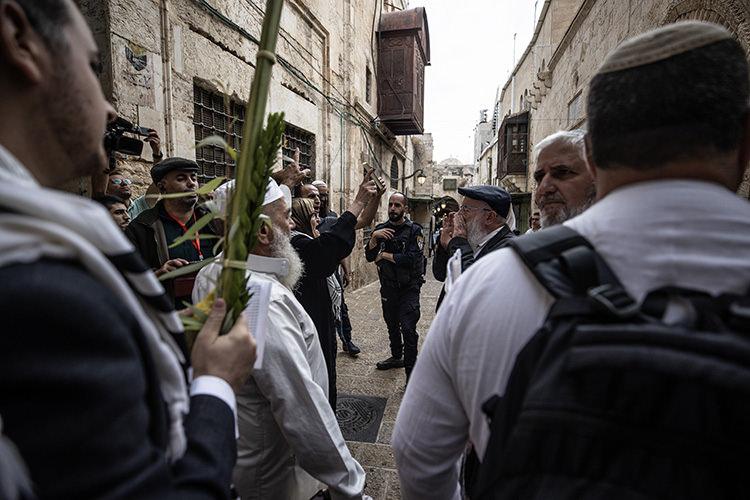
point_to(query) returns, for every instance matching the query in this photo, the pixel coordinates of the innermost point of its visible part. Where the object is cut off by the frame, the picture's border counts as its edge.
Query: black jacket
(440, 261)
(321, 257)
(407, 270)
(79, 396)
(147, 234)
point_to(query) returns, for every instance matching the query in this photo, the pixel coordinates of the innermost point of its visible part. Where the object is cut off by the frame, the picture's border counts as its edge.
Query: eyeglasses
(124, 182)
(467, 208)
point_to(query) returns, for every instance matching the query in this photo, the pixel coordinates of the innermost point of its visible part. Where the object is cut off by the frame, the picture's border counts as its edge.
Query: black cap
(496, 197)
(162, 168)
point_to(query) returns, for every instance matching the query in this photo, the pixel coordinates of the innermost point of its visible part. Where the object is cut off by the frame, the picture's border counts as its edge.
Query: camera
(115, 139)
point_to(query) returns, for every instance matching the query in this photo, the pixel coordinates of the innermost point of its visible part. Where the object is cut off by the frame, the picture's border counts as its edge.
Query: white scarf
(37, 223)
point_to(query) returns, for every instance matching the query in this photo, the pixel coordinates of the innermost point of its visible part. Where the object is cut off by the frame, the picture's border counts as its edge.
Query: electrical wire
(292, 70)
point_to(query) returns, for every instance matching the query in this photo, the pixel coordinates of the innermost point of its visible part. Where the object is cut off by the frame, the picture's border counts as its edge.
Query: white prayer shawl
(38, 223)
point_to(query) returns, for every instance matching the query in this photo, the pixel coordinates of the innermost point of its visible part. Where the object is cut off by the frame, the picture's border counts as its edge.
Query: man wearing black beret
(154, 230)
(478, 228)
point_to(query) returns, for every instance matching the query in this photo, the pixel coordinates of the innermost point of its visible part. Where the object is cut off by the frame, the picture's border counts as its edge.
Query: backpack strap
(566, 264)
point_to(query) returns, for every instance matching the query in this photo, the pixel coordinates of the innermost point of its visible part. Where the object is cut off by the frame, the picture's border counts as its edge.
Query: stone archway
(732, 14)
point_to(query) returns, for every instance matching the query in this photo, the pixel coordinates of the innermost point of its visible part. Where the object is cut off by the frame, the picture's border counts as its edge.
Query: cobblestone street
(358, 376)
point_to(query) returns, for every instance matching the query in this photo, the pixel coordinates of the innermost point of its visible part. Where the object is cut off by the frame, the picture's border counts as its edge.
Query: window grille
(295, 137)
(394, 173)
(216, 114)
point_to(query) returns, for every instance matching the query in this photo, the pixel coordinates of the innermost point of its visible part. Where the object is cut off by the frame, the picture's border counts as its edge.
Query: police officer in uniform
(396, 247)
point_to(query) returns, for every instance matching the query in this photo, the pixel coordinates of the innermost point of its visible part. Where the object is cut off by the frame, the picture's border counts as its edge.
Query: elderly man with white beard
(290, 444)
(479, 227)
(565, 187)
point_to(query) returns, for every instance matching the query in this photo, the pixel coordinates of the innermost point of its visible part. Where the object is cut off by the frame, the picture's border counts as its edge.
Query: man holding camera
(155, 229)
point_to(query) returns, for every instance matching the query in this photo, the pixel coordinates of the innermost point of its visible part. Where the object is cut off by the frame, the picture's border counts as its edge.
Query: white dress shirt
(290, 441)
(683, 233)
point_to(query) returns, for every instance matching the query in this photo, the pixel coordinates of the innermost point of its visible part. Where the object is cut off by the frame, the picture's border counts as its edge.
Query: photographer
(154, 230)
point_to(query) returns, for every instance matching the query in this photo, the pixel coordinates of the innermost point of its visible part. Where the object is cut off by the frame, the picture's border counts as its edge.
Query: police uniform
(400, 283)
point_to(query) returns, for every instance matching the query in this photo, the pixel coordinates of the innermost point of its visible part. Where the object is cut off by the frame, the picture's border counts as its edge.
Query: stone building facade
(184, 68)
(547, 90)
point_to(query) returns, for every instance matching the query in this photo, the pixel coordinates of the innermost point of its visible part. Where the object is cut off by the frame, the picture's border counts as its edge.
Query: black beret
(162, 168)
(496, 197)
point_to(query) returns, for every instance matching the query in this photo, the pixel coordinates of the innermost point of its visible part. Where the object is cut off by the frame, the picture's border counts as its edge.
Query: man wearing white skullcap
(667, 144)
(290, 444)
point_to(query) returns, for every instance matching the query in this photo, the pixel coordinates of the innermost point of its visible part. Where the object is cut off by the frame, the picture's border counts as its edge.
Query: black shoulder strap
(563, 261)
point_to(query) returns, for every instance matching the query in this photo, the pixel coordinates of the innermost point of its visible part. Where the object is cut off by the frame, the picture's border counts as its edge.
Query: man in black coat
(82, 371)
(396, 247)
(478, 228)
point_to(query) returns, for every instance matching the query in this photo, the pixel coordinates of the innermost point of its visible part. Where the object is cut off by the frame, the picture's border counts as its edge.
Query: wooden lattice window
(216, 114)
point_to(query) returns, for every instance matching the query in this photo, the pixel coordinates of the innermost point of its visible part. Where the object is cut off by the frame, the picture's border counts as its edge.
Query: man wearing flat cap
(154, 230)
(667, 144)
(478, 228)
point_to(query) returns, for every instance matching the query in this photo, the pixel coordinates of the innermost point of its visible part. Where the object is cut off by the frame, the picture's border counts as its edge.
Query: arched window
(394, 173)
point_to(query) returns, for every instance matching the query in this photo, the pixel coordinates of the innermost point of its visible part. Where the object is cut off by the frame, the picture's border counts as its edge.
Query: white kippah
(663, 43)
(221, 194)
(273, 193)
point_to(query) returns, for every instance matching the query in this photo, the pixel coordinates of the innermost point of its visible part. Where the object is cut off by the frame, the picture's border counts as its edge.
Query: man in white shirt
(668, 143)
(564, 186)
(290, 442)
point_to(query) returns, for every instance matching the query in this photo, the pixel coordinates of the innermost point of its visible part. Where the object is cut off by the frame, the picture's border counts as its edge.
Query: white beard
(282, 248)
(475, 233)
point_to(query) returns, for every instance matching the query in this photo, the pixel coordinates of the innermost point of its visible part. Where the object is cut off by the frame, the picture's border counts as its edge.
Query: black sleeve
(323, 254)
(467, 254)
(81, 397)
(413, 252)
(440, 262)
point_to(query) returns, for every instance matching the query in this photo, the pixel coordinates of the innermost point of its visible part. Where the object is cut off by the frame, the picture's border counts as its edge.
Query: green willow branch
(253, 169)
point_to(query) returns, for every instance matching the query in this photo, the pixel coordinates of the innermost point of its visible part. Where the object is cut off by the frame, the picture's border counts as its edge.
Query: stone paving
(358, 376)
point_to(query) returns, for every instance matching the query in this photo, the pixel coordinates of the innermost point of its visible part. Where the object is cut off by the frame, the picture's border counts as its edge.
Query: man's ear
(264, 234)
(590, 164)
(161, 187)
(22, 50)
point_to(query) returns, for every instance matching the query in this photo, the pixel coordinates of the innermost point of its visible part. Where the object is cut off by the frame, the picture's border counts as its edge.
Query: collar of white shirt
(488, 238)
(268, 265)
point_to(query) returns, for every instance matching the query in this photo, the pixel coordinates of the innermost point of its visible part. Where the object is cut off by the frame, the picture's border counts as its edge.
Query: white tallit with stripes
(37, 223)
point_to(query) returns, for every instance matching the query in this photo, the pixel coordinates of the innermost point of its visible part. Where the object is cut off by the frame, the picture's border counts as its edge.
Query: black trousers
(401, 314)
(344, 327)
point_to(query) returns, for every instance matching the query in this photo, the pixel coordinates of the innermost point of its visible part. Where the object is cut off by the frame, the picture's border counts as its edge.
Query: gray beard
(565, 212)
(475, 233)
(281, 248)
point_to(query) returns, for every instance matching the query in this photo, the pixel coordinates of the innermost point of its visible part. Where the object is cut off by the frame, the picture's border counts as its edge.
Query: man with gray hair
(565, 187)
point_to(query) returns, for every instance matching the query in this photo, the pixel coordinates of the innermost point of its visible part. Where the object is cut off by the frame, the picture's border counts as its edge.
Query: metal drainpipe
(341, 155)
(166, 59)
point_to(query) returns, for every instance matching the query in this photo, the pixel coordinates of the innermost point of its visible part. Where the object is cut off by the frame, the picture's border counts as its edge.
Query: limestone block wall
(155, 51)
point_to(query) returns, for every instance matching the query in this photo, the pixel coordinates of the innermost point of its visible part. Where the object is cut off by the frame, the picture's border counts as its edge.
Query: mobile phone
(375, 178)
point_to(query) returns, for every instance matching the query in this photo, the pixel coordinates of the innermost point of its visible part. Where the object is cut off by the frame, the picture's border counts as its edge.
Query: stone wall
(575, 36)
(156, 50)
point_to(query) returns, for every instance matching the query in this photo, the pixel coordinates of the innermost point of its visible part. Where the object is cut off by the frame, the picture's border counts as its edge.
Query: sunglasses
(124, 182)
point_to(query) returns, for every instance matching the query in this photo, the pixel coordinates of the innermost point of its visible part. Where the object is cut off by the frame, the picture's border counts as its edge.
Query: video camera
(115, 139)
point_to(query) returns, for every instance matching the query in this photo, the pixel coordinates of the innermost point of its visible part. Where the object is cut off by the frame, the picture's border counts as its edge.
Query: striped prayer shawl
(37, 223)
